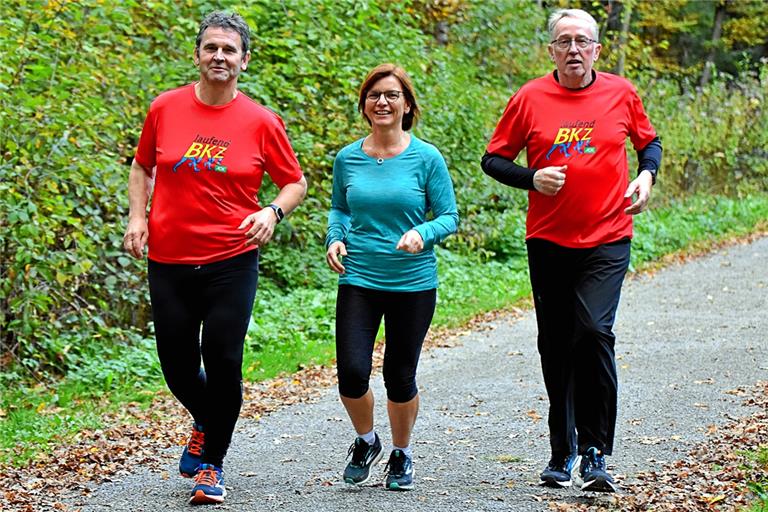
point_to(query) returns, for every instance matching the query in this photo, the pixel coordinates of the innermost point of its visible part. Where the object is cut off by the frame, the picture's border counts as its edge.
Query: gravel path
(686, 336)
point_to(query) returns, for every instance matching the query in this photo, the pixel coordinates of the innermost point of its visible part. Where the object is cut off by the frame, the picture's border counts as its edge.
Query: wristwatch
(278, 211)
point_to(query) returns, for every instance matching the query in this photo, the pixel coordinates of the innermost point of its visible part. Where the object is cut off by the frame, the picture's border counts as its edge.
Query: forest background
(77, 77)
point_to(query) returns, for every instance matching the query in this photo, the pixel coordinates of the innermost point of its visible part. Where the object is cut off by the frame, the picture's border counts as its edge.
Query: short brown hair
(383, 71)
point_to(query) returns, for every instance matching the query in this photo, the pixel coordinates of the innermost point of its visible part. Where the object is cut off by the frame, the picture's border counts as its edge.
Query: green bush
(76, 80)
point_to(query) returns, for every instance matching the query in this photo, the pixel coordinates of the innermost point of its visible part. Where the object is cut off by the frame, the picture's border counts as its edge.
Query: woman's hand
(335, 250)
(411, 242)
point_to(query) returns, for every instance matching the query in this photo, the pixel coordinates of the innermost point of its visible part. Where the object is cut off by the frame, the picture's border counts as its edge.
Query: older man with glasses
(573, 124)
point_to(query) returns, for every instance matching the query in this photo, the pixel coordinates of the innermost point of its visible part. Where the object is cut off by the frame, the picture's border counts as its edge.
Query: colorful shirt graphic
(209, 164)
(586, 130)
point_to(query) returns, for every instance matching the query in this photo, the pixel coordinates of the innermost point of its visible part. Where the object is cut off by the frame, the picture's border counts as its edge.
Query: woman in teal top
(392, 202)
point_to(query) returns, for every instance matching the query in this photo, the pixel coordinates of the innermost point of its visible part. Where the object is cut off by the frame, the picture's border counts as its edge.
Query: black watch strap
(278, 211)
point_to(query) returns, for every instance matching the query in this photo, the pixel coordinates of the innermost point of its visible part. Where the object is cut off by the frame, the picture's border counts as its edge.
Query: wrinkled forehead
(570, 26)
(222, 36)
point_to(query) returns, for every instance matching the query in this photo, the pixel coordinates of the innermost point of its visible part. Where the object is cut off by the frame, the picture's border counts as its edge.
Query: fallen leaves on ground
(712, 477)
(138, 436)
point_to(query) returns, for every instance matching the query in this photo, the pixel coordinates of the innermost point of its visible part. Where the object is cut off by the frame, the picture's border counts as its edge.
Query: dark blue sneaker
(592, 473)
(399, 472)
(209, 485)
(192, 455)
(364, 456)
(559, 471)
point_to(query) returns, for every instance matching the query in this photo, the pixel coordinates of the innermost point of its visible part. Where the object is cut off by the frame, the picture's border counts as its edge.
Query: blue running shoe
(364, 456)
(399, 472)
(209, 485)
(559, 471)
(192, 455)
(592, 473)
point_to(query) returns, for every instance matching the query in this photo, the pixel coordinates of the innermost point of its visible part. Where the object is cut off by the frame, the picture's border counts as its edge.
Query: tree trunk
(626, 17)
(717, 30)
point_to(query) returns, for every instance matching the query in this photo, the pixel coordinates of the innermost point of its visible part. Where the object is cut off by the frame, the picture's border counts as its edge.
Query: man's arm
(649, 161)
(139, 189)
(264, 221)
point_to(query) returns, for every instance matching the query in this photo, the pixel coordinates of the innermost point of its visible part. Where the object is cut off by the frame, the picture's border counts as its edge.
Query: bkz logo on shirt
(208, 151)
(573, 137)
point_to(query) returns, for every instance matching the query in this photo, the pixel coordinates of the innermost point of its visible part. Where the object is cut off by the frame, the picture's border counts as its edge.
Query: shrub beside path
(691, 348)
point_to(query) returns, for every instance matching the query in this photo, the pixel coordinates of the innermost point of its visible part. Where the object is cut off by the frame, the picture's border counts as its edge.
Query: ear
(246, 60)
(551, 53)
(596, 53)
(196, 57)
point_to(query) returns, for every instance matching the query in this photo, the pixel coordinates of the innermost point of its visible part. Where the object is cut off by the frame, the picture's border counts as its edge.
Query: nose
(219, 55)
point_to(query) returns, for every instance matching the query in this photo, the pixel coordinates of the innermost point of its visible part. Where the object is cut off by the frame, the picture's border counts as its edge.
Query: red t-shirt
(585, 129)
(210, 161)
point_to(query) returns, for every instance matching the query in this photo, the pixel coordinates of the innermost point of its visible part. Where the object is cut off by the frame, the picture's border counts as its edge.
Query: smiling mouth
(382, 112)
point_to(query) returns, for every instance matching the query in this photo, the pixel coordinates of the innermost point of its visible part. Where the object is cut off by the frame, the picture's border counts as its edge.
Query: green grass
(292, 329)
(757, 461)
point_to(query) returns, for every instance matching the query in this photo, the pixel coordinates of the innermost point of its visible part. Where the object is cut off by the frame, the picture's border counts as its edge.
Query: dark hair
(228, 21)
(383, 71)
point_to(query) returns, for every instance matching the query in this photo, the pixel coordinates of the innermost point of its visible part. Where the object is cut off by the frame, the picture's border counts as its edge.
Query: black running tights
(201, 314)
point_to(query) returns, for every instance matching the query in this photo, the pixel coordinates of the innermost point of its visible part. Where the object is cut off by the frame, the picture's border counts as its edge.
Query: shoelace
(595, 460)
(195, 444)
(359, 451)
(395, 465)
(207, 477)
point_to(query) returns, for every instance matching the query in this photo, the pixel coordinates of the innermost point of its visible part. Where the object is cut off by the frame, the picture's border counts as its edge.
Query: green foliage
(685, 222)
(757, 463)
(714, 138)
(294, 328)
(77, 78)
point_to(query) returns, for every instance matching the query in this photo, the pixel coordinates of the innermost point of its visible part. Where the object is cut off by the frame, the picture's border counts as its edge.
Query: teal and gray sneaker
(399, 472)
(209, 485)
(192, 455)
(364, 456)
(559, 471)
(592, 473)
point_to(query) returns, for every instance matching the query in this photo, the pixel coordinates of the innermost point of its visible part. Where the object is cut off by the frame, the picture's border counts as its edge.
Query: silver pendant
(379, 161)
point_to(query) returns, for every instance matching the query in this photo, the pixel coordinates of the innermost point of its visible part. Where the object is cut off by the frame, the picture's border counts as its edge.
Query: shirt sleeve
(510, 135)
(641, 132)
(146, 153)
(442, 201)
(339, 215)
(280, 160)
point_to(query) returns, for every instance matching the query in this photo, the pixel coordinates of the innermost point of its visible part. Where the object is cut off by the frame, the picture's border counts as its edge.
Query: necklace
(380, 159)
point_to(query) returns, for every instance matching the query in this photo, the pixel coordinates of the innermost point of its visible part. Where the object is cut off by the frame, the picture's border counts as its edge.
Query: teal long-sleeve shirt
(374, 204)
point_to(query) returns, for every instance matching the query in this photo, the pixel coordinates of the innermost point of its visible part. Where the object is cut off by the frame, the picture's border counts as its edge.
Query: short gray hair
(227, 21)
(559, 14)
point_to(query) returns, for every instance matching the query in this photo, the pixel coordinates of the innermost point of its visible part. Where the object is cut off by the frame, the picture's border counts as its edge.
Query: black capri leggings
(201, 312)
(407, 316)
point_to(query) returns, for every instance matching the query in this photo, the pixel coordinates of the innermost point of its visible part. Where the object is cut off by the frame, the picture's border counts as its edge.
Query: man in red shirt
(207, 146)
(573, 124)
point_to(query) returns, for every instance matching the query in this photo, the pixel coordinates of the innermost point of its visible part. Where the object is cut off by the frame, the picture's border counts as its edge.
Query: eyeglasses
(390, 96)
(565, 42)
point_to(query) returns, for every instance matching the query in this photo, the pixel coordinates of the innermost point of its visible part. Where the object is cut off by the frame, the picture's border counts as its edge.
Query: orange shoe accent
(195, 443)
(200, 498)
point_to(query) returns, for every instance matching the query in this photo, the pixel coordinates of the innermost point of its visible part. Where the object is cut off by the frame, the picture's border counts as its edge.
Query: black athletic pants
(201, 313)
(576, 294)
(407, 316)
